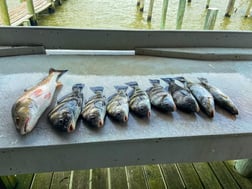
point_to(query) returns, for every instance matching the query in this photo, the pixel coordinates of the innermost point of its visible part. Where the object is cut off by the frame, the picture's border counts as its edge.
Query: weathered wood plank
(24, 181)
(136, 179)
(118, 179)
(189, 176)
(223, 175)
(172, 177)
(243, 182)
(99, 178)
(42, 180)
(207, 176)
(154, 177)
(61, 180)
(81, 179)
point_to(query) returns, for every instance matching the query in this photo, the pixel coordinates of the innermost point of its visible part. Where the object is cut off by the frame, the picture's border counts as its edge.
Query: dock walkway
(206, 175)
(18, 15)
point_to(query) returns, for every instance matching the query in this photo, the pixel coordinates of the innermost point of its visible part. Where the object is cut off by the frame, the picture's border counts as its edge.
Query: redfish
(28, 108)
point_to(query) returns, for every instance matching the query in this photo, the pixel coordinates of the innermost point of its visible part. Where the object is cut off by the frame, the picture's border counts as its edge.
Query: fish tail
(121, 88)
(168, 80)
(202, 80)
(97, 89)
(132, 84)
(61, 72)
(78, 87)
(154, 81)
(181, 79)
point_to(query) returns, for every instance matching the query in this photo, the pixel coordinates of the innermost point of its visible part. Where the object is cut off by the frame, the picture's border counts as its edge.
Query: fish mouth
(71, 127)
(100, 123)
(23, 130)
(125, 119)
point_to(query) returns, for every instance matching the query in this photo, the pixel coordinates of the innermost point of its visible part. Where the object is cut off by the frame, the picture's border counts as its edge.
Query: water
(121, 14)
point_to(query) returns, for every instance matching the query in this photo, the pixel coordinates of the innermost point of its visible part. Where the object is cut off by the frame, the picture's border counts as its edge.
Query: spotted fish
(139, 101)
(182, 97)
(159, 97)
(67, 111)
(220, 98)
(95, 108)
(30, 106)
(118, 107)
(204, 98)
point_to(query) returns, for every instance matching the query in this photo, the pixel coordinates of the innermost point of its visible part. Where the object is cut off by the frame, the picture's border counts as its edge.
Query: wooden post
(4, 13)
(207, 4)
(150, 10)
(138, 3)
(51, 9)
(8, 182)
(230, 8)
(141, 6)
(180, 15)
(31, 10)
(247, 14)
(189, 1)
(210, 18)
(244, 167)
(164, 12)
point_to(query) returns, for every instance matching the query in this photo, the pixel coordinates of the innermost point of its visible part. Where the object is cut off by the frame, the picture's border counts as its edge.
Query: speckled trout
(30, 106)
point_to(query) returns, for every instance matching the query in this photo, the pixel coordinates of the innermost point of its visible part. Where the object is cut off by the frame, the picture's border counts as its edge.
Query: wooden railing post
(180, 14)
(207, 4)
(150, 10)
(4, 13)
(141, 6)
(164, 12)
(31, 10)
(230, 8)
(210, 18)
(247, 14)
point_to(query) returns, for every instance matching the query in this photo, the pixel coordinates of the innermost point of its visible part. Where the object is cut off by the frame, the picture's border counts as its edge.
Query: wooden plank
(189, 176)
(81, 179)
(223, 175)
(207, 176)
(99, 178)
(154, 177)
(60, 180)
(24, 181)
(21, 50)
(135, 177)
(172, 176)
(118, 179)
(243, 182)
(42, 180)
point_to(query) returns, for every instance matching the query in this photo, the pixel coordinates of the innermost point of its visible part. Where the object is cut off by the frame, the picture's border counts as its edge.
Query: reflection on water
(122, 14)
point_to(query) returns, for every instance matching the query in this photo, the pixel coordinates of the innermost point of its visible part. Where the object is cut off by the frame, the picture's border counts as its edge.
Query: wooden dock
(20, 14)
(206, 175)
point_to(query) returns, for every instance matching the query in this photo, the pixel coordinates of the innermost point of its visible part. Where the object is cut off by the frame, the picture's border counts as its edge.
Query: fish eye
(118, 114)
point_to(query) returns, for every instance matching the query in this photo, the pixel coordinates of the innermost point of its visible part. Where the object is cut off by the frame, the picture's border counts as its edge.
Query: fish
(118, 107)
(67, 111)
(204, 98)
(159, 97)
(220, 98)
(182, 96)
(139, 101)
(29, 107)
(95, 108)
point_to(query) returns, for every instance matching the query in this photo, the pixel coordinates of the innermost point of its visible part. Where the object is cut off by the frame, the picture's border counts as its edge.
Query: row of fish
(189, 97)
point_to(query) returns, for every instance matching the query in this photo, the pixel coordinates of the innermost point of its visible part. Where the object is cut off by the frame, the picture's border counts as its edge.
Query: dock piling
(150, 10)
(4, 14)
(31, 10)
(210, 18)
(138, 3)
(180, 14)
(247, 14)
(207, 4)
(164, 12)
(230, 8)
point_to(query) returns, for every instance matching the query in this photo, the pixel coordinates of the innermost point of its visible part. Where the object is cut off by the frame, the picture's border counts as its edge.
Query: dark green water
(121, 14)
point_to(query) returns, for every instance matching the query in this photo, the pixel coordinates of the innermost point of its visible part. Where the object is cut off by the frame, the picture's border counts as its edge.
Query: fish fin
(130, 93)
(59, 85)
(121, 88)
(203, 80)
(78, 86)
(168, 80)
(154, 81)
(97, 89)
(181, 79)
(132, 84)
(52, 70)
(111, 97)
